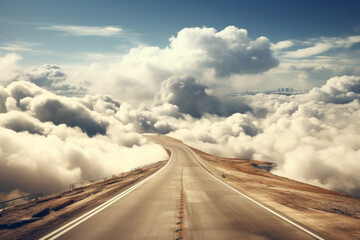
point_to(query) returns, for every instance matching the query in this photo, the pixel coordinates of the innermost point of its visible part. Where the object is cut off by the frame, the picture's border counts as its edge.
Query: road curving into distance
(180, 201)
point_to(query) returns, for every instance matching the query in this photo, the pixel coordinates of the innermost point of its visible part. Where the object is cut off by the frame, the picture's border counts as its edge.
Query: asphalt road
(183, 201)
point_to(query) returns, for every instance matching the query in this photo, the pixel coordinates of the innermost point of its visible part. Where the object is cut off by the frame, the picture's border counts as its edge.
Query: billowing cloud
(49, 141)
(77, 30)
(189, 96)
(49, 164)
(47, 75)
(229, 51)
(309, 137)
(20, 122)
(194, 98)
(53, 78)
(59, 111)
(340, 90)
(312, 137)
(9, 68)
(213, 57)
(3, 97)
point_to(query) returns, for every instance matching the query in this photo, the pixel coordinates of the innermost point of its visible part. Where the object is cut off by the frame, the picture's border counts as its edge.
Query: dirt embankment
(33, 219)
(331, 214)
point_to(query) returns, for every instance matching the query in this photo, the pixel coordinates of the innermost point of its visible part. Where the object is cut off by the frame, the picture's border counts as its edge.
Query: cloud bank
(312, 137)
(47, 120)
(339, 90)
(49, 141)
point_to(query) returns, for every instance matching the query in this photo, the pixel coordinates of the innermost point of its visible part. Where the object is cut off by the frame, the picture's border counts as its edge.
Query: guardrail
(145, 165)
(26, 198)
(84, 183)
(91, 181)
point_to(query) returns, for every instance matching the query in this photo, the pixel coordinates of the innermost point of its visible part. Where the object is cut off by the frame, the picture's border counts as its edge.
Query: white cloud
(53, 78)
(312, 137)
(229, 51)
(282, 45)
(193, 98)
(338, 90)
(310, 51)
(9, 68)
(106, 31)
(17, 47)
(322, 45)
(309, 64)
(226, 60)
(212, 56)
(49, 76)
(46, 75)
(309, 137)
(49, 141)
(23, 47)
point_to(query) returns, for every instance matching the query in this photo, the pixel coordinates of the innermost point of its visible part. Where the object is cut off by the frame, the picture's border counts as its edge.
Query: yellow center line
(180, 223)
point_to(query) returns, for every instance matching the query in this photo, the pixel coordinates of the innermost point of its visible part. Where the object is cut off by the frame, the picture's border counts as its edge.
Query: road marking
(67, 227)
(260, 204)
(180, 230)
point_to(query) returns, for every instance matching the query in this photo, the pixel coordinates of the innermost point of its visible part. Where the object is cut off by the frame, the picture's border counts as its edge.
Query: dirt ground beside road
(333, 215)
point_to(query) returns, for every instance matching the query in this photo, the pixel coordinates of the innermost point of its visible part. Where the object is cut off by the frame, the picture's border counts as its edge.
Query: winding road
(181, 201)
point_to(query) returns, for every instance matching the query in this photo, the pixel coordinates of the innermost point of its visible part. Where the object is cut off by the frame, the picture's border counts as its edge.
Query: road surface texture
(182, 201)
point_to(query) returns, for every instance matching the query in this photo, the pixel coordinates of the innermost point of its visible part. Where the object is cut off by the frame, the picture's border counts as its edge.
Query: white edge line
(67, 227)
(261, 205)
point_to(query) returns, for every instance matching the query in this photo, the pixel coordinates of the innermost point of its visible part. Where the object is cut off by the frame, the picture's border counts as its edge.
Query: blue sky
(153, 22)
(315, 35)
